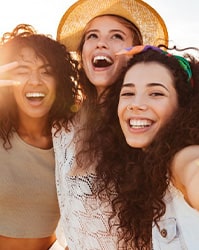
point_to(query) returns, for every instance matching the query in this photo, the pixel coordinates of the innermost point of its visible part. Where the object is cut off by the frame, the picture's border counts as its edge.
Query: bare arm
(185, 174)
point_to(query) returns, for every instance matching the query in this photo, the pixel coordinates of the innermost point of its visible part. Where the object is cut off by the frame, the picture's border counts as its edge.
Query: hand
(3, 69)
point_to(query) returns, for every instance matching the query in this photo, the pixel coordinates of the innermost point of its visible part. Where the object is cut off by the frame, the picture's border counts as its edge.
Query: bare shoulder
(187, 155)
(185, 174)
(185, 164)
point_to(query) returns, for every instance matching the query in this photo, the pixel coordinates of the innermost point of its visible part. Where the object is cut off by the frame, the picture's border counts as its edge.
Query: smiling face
(147, 100)
(36, 93)
(104, 36)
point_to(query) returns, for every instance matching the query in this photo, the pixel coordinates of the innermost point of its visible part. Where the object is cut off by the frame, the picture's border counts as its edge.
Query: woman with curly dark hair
(37, 88)
(156, 87)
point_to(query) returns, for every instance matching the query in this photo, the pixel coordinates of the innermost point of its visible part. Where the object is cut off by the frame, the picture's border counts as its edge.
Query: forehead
(149, 72)
(101, 22)
(29, 55)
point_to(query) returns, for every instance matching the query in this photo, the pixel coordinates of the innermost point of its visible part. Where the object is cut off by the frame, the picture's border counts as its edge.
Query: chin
(134, 144)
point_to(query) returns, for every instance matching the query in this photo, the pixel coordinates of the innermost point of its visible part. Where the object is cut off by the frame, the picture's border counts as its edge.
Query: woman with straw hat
(96, 30)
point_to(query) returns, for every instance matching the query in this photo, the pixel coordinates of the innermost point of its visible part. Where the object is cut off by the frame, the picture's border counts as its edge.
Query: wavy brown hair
(95, 108)
(64, 69)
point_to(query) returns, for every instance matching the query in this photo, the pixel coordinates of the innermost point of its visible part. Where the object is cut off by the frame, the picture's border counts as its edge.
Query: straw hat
(73, 22)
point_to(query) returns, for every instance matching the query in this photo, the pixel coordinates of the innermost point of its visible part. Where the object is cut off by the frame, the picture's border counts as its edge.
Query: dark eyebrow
(120, 31)
(128, 85)
(96, 30)
(91, 30)
(158, 84)
(148, 85)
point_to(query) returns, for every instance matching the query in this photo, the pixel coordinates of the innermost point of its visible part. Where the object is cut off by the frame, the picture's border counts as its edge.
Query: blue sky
(180, 16)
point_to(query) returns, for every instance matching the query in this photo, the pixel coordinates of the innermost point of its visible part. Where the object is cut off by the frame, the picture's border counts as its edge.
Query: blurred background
(180, 16)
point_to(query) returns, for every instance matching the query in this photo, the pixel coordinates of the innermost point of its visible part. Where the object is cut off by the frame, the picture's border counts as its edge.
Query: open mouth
(138, 124)
(102, 61)
(35, 96)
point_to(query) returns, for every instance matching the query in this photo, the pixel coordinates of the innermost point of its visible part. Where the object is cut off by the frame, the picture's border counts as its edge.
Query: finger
(131, 51)
(6, 67)
(4, 83)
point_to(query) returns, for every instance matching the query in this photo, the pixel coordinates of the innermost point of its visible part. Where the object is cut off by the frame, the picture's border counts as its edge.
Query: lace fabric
(84, 216)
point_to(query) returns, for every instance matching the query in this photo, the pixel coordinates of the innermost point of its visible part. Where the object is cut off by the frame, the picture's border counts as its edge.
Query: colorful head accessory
(131, 51)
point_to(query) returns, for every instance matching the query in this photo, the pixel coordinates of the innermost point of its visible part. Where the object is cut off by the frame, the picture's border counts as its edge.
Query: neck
(35, 132)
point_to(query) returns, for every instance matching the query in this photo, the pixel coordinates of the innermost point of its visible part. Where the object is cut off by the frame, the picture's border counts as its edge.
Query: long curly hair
(95, 108)
(138, 201)
(64, 69)
(180, 132)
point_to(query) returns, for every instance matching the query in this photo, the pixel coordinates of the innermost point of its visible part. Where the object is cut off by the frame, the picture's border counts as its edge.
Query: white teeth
(140, 123)
(36, 94)
(97, 58)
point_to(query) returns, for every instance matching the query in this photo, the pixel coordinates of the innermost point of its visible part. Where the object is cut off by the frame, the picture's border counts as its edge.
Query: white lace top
(84, 217)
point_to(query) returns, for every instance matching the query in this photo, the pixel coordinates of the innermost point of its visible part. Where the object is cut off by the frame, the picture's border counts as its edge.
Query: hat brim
(73, 22)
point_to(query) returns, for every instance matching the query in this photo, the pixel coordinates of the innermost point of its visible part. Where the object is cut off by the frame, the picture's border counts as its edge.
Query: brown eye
(91, 36)
(118, 36)
(157, 94)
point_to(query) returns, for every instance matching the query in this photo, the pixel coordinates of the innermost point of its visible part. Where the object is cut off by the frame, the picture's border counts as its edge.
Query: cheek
(85, 51)
(85, 62)
(18, 98)
(53, 87)
(167, 113)
(120, 110)
(17, 90)
(122, 62)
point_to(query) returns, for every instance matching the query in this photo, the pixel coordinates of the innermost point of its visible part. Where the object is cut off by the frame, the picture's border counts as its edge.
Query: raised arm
(185, 174)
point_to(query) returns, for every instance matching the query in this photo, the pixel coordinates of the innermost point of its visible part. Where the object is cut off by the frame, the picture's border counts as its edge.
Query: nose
(102, 43)
(137, 105)
(132, 107)
(34, 78)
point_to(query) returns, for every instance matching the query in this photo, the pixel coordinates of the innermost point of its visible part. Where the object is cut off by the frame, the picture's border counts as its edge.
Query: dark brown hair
(64, 69)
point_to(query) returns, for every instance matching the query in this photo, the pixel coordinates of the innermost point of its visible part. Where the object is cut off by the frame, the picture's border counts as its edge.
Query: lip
(35, 98)
(35, 94)
(105, 56)
(100, 57)
(102, 54)
(139, 125)
(100, 69)
(140, 122)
